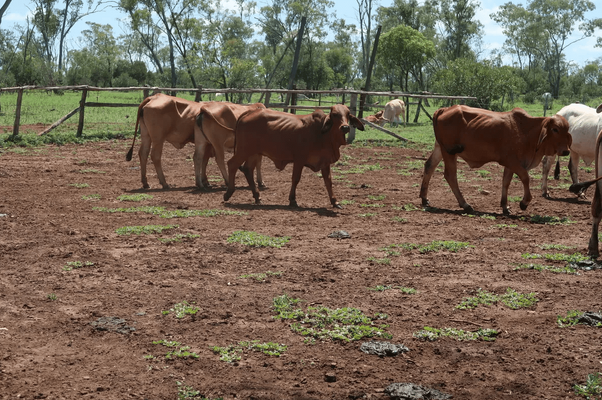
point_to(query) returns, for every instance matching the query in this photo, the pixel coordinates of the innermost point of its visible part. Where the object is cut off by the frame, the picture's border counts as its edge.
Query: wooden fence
(346, 94)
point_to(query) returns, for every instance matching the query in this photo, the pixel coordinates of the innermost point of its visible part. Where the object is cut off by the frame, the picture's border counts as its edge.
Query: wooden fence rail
(199, 92)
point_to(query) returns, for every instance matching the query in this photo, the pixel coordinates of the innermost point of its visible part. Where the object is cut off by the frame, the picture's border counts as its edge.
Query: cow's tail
(580, 187)
(557, 169)
(128, 156)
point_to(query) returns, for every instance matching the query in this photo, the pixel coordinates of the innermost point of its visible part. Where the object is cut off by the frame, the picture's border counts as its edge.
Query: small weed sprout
(511, 299)
(253, 239)
(568, 258)
(592, 388)
(366, 215)
(77, 264)
(382, 288)
(381, 261)
(79, 185)
(261, 276)
(377, 198)
(432, 334)
(146, 229)
(187, 392)
(91, 197)
(347, 202)
(399, 219)
(550, 268)
(233, 352)
(182, 309)
(179, 352)
(179, 237)
(550, 220)
(573, 317)
(52, 297)
(90, 171)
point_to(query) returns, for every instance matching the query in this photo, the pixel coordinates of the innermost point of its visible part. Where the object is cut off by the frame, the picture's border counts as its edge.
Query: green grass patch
(549, 268)
(135, 197)
(345, 324)
(550, 220)
(432, 334)
(434, 246)
(358, 169)
(180, 310)
(504, 226)
(261, 276)
(347, 202)
(179, 351)
(367, 215)
(377, 198)
(253, 239)
(79, 185)
(52, 296)
(568, 258)
(399, 219)
(546, 246)
(163, 213)
(233, 353)
(91, 197)
(77, 264)
(372, 205)
(145, 229)
(592, 389)
(91, 171)
(382, 261)
(511, 298)
(403, 289)
(572, 318)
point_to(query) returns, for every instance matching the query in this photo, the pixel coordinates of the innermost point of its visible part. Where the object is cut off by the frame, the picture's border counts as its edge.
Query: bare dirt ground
(50, 347)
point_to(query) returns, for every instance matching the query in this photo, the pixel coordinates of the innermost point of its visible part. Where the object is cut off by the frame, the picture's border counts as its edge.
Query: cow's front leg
(450, 173)
(573, 169)
(233, 164)
(260, 181)
(429, 168)
(248, 168)
(326, 175)
(292, 197)
(592, 248)
(155, 154)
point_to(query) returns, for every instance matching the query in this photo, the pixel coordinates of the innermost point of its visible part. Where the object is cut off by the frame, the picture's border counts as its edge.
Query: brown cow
(216, 122)
(376, 118)
(311, 140)
(513, 139)
(163, 118)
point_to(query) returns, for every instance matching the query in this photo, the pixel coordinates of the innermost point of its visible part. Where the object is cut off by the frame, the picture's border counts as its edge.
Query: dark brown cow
(163, 118)
(376, 118)
(513, 139)
(311, 141)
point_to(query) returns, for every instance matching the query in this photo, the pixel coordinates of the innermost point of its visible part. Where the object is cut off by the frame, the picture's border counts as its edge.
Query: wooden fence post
(353, 109)
(199, 94)
(18, 113)
(145, 93)
(267, 99)
(82, 107)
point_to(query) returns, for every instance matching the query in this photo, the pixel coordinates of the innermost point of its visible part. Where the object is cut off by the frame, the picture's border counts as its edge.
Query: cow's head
(339, 119)
(555, 137)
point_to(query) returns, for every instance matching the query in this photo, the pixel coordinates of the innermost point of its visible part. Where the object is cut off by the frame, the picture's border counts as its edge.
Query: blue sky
(579, 52)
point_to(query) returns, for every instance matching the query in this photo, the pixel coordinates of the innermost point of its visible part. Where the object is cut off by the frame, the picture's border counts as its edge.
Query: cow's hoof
(506, 211)
(227, 196)
(293, 203)
(337, 205)
(468, 208)
(546, 196)
(523, 206)
(425, 203)
(258, 202)
(261, 185)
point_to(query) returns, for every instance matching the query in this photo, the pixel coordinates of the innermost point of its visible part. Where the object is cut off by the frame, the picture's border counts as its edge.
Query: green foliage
(572, 318)
(261, 276)
(52, 297)
(146, 229)
(382, 288)
(569, 258)
(179, 352)
(187, 392)
(77, 264)
(367, 215)
(182, 309)
(399, 219)
(163, 213)
(91, 197)
(547, 246)
(135, 197)
(358, 169)
(592, 388)
(550, 220)
(383, 261)
(511, 299)
(232, 353)
(91, 171)
(539, 267)
(179, 237)
(346, 324)
(79, 185)
(253, 239)
(432, 334)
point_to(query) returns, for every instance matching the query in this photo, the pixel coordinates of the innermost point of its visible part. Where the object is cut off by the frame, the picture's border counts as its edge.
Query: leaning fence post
(18, 113)
(266, 103)
(82, 107)
(353, 109)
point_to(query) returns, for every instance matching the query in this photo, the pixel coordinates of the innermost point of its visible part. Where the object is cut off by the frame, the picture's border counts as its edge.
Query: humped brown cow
(162, 118)
(513, 139)
(311, 140)
(216, 122)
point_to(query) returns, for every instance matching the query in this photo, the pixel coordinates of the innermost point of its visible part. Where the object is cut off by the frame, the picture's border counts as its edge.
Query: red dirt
(50, 350)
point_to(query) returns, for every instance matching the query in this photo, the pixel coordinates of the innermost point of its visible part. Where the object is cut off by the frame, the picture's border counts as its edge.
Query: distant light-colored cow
(393, 110)
(584, 125)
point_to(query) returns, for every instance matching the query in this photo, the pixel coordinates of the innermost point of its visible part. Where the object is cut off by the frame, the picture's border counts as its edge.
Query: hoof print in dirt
(339, 235)
(111, 324)
(587, 265)
(411, 391)
(383, 349)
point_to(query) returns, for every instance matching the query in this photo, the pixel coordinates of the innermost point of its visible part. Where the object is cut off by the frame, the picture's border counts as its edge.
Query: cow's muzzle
(345, 128)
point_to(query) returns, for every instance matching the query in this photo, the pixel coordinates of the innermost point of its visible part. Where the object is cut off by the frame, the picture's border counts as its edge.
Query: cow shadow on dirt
(321, 211)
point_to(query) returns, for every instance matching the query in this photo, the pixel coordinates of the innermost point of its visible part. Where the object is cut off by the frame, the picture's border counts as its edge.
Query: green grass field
(41, 107)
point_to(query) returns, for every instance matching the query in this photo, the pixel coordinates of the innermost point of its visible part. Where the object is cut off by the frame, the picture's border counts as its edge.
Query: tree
(404, 50)
(3, 9)
(365, 16)
(544, 29)
(460, 28)
(103, 47)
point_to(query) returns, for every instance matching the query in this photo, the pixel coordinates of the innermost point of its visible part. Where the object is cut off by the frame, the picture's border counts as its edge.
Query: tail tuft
(557, 170)
(128, 156)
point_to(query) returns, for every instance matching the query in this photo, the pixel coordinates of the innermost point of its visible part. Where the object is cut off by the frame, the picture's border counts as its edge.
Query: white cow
(393, 110)
(584, 124)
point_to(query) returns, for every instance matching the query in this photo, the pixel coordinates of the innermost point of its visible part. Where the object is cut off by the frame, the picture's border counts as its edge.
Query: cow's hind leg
(546, 164)
(260, 181)
(326, 175)
(592, 248)
(156, 152)
(143, 152)
(527, 197)
(233, 164)
(248, 168)
(429, 168)
(202, 152)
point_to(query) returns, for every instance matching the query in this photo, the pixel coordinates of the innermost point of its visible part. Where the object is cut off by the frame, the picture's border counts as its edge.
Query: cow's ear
(355, 121)
(327, 124)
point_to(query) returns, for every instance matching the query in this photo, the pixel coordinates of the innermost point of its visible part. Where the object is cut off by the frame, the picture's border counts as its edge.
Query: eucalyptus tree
(103, 49)
(545, 29)
(403, 53)
(422, 16)
(461, 31)
(365, 14)
(3, 9)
